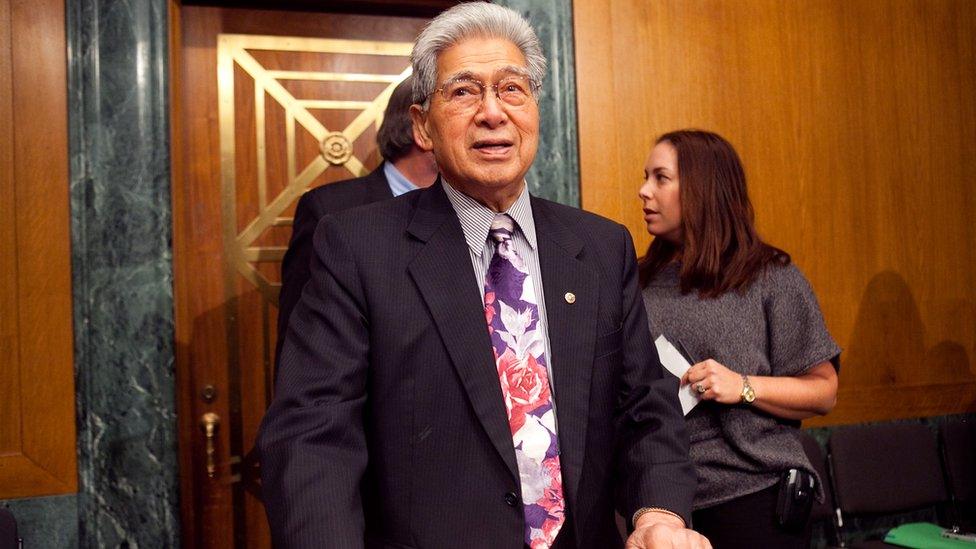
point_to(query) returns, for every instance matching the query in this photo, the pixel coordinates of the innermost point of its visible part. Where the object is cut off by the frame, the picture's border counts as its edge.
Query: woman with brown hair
(761, 356)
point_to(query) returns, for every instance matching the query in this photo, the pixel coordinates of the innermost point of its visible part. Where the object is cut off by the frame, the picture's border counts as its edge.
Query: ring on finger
(699, 387)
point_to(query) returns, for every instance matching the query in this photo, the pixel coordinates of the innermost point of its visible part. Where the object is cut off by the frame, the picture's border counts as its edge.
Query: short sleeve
(796, 334)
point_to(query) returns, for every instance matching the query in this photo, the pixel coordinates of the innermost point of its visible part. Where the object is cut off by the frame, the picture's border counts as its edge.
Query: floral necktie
(512, 312)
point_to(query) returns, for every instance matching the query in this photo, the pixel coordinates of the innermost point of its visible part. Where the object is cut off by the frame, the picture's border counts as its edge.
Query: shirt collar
(476, 218)
(398, 182)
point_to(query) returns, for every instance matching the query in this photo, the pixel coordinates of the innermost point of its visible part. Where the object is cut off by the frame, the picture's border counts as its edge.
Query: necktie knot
(501, 229)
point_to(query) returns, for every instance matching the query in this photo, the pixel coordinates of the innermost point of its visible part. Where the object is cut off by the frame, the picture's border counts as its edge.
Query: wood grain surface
(857, 126)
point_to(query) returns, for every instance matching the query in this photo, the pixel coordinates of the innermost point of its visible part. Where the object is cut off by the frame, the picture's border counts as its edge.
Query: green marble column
(555, 173)
(122, 273)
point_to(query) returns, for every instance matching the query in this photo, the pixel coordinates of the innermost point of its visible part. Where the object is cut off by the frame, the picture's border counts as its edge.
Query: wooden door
(266, 105)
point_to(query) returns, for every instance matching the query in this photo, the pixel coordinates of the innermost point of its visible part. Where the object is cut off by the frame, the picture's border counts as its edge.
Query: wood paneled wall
(857, 125)
(37, 397)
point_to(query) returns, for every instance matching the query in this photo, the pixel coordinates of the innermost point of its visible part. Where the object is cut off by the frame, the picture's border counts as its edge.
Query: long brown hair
(721, 250)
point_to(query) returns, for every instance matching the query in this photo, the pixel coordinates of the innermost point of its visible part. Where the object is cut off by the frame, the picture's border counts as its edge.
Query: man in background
(405, 167)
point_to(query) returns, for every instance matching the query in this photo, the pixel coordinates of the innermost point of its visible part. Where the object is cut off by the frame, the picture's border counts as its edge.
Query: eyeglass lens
(467, 92)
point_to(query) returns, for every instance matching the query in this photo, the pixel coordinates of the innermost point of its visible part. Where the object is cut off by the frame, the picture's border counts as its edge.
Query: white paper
(675, 362)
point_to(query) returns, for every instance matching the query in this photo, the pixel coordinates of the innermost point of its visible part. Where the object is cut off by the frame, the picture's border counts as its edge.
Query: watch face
(749, 395)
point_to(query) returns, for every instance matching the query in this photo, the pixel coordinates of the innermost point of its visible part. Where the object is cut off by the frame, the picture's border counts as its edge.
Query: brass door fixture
(210, 422)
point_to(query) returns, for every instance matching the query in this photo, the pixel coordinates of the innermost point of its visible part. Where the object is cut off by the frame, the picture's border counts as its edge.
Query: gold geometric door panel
(267, 104)
(310, 126)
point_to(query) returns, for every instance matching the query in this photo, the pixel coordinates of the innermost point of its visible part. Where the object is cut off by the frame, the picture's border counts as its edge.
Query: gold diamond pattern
(235, 50)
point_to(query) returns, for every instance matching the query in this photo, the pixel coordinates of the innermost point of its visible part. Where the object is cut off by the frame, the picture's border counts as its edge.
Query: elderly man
(470, 366)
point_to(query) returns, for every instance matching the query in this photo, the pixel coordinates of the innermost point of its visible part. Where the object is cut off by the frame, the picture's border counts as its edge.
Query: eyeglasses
(466, 93)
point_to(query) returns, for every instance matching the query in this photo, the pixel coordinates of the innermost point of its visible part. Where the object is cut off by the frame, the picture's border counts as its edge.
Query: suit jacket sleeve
(653, 465)
(312, 442)
(295, 265)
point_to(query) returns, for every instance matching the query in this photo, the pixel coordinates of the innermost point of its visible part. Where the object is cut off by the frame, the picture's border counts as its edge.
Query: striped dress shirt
(476, 221)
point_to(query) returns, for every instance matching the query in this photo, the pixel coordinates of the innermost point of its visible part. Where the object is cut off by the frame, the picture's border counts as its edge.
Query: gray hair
(469, 20)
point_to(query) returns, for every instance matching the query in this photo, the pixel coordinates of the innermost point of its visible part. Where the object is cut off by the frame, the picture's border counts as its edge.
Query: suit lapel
(572, 334)
(442, 272)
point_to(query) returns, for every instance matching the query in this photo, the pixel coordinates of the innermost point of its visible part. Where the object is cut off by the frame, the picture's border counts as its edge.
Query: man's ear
(420, 135)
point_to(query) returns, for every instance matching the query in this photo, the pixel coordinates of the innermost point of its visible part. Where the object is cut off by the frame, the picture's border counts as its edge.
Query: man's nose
(491, 112)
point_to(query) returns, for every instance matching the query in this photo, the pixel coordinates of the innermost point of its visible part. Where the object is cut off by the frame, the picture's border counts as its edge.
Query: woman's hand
(711, 380)
(812, 393)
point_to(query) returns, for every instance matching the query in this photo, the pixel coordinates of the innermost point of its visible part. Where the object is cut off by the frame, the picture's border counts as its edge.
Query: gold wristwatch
(748, 393)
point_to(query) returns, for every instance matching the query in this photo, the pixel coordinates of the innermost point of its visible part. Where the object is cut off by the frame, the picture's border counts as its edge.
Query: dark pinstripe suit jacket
(388, 427)
(313, 206)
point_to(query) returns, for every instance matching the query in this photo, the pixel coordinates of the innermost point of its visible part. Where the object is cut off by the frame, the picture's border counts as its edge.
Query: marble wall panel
(46, 523)
(555, 173)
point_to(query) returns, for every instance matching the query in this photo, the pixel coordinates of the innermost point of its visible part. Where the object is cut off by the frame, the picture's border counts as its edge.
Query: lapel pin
(570, 297)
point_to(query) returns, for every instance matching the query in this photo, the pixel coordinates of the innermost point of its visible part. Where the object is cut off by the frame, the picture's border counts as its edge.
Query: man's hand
(655, 530)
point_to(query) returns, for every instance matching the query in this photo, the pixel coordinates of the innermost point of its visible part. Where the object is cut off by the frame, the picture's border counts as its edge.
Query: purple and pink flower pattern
(512, 314)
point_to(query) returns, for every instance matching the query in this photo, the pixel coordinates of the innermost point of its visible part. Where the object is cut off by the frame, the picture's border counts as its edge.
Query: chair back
(8, 530)
(958, 439)
(885, 468)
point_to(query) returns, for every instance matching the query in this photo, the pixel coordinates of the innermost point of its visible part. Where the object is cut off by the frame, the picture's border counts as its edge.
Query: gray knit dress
(775, 328)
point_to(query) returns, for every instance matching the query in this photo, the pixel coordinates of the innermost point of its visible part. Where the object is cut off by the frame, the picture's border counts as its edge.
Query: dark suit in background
(313, 206)
(394, 138)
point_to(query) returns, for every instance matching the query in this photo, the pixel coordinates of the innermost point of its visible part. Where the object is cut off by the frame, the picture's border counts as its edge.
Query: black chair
(958, 444)
(884, 469)
(822, 513)
(8, 530)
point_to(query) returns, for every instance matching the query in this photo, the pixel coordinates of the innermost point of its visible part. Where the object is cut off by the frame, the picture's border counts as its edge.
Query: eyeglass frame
(534, 86)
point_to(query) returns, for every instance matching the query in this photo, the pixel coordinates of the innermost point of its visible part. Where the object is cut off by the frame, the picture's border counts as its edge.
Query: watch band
(748, 395)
